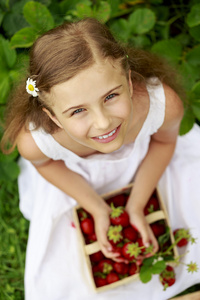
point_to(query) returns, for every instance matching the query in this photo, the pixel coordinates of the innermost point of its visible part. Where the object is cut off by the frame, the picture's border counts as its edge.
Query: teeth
(107, 135)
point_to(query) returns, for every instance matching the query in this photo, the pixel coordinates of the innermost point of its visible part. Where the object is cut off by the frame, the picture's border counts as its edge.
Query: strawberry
(141, 245)
(152, 205)
(121, 268)
(91, 238)
(130, 251)
(130, 233)
(112, 277)
(115, 234)
(167, 277)
(96, 257)
(184, 235)
(118, 200)
(119, 216)
(100, 281)
(105, 266)
(87, 226)
(158, 229)
(133, 269)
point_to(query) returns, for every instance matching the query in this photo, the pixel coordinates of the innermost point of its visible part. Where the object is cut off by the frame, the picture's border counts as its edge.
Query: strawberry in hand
(119, 216)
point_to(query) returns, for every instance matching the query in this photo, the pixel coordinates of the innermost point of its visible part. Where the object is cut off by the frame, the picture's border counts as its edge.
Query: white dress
(55, 270)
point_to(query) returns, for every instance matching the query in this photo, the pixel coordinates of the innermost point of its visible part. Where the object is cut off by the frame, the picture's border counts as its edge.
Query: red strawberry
(141, 245)
(133, 269)
(91, 238)
(115, 234)
(152, 205)
(167, 277)
(119, 216)
(87, 226)
(130, 250)
(118, 200)
(130, 233)
(158, 229)
(97, 256)
(184, 235)
(120, 268)
(99, 281)
(112, 277)
(105, 266)
(82, 214)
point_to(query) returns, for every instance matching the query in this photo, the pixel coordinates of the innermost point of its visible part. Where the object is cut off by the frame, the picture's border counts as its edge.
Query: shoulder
(174, 111)
(28, 148)
(174, 106)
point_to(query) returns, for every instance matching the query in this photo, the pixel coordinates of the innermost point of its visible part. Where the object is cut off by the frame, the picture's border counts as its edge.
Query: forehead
(100, 76)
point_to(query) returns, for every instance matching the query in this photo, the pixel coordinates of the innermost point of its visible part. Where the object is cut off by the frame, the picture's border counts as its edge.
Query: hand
(137, 219)
(102, 223)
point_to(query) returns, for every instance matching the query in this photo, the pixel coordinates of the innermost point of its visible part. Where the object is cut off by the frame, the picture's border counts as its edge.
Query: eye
(77, 111)
(110, 96)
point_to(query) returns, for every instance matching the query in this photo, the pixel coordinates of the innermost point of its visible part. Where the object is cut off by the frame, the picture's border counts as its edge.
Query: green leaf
(193, 18)
(38, 16)
(24, 38)
(9, 170)
(189, 73)
(187, 121)
(121, 29)
(145, 274)
(4, 87)
(83, 10)
(9, 53)
(2, 14)
(196, 89)
(196, 108)
(195, 32)
(142, 20)
(193, 56)
(148, 261)
(158, 267)
(170, 49)
(103, 12)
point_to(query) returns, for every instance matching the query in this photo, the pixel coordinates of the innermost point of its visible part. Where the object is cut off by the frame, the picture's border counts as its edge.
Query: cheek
(77, 128)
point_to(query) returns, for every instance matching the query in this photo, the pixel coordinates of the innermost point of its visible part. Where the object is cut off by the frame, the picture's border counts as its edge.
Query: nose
(101, 119)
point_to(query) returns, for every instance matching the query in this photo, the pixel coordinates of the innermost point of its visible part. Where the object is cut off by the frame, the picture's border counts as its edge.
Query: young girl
(92, 117)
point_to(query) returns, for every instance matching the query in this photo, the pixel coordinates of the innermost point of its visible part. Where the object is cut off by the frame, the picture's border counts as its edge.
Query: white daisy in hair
(31, 87)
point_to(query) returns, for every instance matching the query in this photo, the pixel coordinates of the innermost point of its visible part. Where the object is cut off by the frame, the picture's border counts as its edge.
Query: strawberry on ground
(119, 216)
(167, 277)
(183, 234)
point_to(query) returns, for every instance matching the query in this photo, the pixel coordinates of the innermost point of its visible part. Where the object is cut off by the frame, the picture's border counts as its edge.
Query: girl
(94, 116)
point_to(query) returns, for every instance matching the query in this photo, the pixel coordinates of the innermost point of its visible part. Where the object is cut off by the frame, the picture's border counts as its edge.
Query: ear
(52, 117)
(130, 83)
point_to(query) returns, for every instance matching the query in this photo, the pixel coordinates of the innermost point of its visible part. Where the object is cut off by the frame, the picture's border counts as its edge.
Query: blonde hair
(59, 55)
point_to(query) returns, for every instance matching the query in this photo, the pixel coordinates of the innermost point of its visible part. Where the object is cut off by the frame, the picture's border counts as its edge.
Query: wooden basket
(94, 247)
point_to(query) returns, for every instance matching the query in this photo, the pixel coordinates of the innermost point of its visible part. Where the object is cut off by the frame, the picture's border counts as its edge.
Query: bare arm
(70, 183)
(160, 152)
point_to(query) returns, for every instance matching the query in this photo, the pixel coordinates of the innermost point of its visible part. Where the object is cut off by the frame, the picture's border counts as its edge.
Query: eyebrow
(82, 105)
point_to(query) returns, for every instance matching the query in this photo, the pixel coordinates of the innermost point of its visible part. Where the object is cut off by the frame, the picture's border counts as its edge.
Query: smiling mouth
(108, 136)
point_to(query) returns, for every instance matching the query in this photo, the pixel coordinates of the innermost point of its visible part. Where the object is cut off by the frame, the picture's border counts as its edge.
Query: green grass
(13, 240)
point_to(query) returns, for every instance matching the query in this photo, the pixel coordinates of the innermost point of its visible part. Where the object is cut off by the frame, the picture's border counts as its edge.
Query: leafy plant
(169, 28)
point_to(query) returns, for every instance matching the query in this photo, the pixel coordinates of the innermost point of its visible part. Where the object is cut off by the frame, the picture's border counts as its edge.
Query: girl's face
(95, 107)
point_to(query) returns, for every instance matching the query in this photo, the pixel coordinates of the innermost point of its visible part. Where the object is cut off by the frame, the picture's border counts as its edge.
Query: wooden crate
(94, 247)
